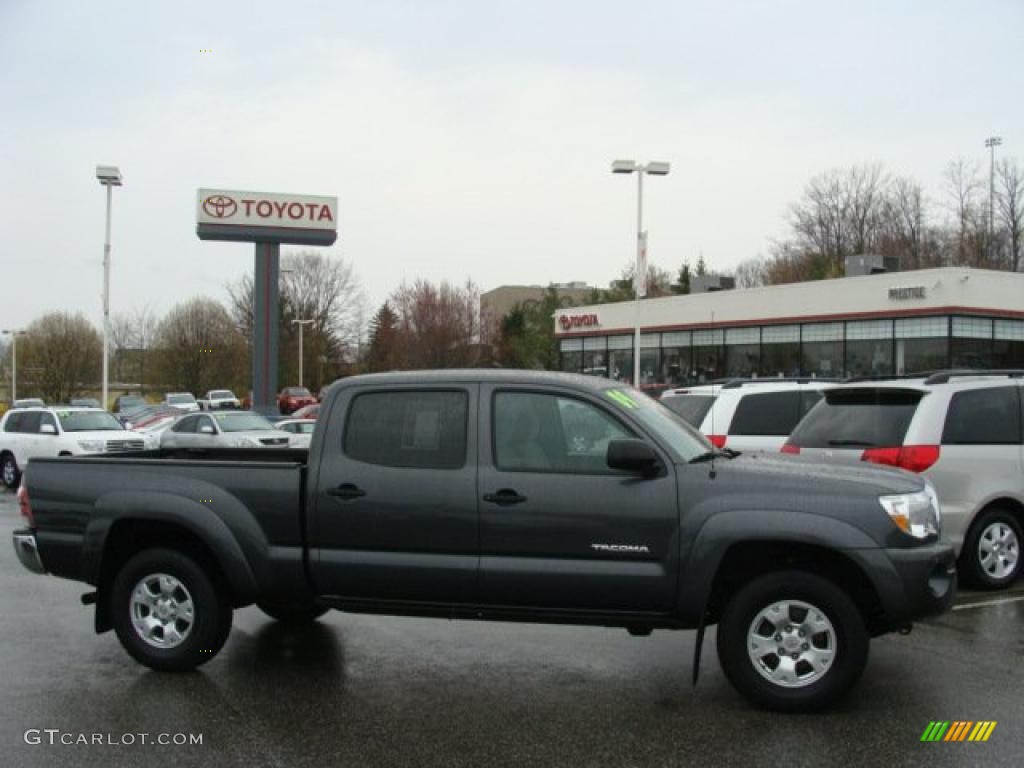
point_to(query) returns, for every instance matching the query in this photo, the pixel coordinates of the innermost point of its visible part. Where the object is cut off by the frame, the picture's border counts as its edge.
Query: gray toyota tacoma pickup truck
(506, 495)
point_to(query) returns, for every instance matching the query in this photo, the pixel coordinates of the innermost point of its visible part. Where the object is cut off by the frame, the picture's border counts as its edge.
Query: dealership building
(879, 324)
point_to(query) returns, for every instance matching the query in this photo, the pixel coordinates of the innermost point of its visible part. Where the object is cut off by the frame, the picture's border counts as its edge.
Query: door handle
(504, 497)
(346, 491)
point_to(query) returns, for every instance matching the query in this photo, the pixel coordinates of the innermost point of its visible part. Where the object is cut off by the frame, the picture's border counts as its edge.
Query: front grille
(118, 446)
(274, 440)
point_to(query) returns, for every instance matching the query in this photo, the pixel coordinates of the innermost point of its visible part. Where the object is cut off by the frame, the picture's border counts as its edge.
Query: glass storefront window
(742, 351)
(869, 348)
(1008, 347)
(675, 358)
(780, 350)
(822, 347)
(922, 344)
(620, 358)
(972, 344)
(650, 359)
(595, 356)
(708, 357)
(571, 355)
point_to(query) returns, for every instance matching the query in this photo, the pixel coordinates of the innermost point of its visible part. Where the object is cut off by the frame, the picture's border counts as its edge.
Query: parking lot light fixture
(14, 333)
(301, 323)
(653, 168)
(109, 176)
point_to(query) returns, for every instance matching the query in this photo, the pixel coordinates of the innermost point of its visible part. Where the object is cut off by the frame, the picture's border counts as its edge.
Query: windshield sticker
(63, 414)
(621, 398)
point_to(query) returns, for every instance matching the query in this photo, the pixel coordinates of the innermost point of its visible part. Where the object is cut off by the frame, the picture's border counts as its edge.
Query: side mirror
(47, 429)
(634, 456)
(206, 429)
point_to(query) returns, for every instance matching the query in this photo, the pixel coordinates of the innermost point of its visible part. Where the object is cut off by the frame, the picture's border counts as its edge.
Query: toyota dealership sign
(226, 214)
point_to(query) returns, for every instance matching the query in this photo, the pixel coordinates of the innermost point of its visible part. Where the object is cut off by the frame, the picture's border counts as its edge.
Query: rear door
(27, 443)
(558, 529)
(395, 510)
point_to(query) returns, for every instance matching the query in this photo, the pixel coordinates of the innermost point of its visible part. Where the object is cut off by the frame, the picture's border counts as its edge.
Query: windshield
(241, 422)
(222, 394)
(305, 428)
(682, 438)
(88, 421)
(692, 408)
(297, 392)
(180, 399)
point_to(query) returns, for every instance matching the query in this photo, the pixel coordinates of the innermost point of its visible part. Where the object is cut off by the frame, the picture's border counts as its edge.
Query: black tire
(211, 616)
(9, 472)
(989, 574)
(849, 637)
(293, 613)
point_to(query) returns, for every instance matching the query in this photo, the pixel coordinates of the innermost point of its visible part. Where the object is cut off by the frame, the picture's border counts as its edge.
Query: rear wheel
(293, 613)
(991, 554)
(792, 641)
(169, 613)
(9, 472)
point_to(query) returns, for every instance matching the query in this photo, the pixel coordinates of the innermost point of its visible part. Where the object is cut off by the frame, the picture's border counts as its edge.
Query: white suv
(961, 430)
(747, 414)
(28, 433)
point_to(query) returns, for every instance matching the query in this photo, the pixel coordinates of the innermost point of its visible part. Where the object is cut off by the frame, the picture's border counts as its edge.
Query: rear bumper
(27, 550)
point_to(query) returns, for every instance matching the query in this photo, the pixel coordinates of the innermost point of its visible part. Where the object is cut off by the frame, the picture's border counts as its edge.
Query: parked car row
(964, 431)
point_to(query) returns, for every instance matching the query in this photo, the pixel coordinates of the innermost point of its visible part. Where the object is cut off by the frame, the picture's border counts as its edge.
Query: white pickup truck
(216, 399)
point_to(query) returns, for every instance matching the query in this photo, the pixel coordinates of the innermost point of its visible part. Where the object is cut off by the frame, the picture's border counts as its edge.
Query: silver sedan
(301, 431)
(223, 429)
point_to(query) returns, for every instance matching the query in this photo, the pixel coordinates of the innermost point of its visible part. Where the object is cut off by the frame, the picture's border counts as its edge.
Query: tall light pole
(992, 142)
(653, 168)
(14, 333)
(300, 323)
(109, 176)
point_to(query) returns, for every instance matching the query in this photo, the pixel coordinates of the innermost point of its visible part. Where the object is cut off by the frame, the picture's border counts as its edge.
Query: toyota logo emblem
(220, 206)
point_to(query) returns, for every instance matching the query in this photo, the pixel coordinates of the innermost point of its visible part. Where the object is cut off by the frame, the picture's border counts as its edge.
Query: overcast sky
(467, 139)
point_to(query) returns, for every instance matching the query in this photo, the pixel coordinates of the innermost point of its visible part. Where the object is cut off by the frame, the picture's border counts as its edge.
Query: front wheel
(991, 553)
(791, 641)
(168, 611)
(292, 613)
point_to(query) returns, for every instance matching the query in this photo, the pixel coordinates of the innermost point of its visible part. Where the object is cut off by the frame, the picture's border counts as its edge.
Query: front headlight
(917, 514)
(91, 446)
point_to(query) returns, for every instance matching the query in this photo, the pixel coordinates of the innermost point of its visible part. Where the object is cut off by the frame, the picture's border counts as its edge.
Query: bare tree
(439, 325)
(61, 356)
(122, 337)
(144, 325)
(197, 347)
(1010, 205)
(750, 273)
(964, 190)
(903, 223)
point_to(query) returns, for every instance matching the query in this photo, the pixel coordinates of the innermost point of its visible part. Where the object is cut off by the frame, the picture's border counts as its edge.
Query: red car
(293, 398)
(309, 412)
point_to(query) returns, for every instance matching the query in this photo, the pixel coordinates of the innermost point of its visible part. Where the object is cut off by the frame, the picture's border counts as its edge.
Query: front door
(395, 509)
(558, 528)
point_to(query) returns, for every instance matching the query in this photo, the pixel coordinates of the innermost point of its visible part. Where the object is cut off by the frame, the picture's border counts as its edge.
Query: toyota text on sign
(264, 209)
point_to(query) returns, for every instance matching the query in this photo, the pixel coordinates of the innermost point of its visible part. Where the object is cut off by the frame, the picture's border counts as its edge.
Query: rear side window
(983, 417)
(11, 424)
(29, 422)
(768, 413)
(425, 430)
(858, 418)
(692, 408)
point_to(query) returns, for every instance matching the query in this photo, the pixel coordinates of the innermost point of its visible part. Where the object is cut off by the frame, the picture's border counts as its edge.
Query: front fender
(700, 563)
(225, 526)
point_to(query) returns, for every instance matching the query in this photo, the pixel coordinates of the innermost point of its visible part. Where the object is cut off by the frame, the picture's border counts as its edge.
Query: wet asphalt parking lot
(360, 690)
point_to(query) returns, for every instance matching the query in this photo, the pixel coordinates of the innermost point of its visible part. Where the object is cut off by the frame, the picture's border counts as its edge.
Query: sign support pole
(266, 315)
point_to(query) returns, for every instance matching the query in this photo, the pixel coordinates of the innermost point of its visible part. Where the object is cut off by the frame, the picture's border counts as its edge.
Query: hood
(102, 434)
(809, 475)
